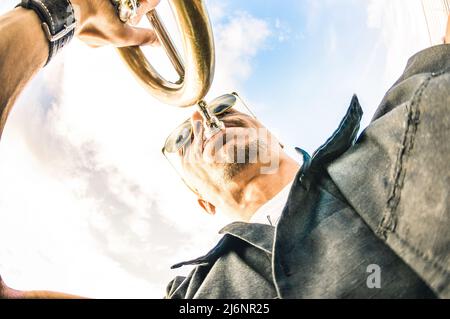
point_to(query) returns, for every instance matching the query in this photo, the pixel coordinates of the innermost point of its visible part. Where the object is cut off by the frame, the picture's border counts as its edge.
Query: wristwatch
(58, 21)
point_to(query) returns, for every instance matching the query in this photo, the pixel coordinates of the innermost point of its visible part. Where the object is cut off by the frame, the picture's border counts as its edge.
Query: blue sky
(316, 57)
(84, 190)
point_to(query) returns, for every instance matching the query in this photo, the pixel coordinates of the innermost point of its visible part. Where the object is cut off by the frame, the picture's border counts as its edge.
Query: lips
(229, 140)
(228, 125)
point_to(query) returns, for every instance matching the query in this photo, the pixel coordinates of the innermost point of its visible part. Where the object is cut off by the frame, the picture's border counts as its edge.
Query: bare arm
(24, 51)
(24, 47)
(9, 293)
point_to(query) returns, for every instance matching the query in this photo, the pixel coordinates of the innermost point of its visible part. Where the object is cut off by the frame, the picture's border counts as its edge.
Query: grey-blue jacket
(366, 217)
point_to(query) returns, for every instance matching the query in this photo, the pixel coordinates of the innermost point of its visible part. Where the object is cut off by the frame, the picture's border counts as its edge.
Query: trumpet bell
(196, 72)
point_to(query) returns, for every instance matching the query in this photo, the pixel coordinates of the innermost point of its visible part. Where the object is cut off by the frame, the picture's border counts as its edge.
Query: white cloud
(283, 30)
(87, 202)
(6, 5)
(332, 44)
(239, 38)
(404, 29)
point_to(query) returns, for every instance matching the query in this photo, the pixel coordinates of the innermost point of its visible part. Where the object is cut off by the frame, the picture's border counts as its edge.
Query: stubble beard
(230, 170)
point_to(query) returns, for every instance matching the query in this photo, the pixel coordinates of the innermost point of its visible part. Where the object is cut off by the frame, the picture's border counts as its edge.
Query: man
(357, 220)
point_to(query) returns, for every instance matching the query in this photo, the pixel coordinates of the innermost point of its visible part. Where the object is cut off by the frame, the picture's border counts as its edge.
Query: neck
(262, 188)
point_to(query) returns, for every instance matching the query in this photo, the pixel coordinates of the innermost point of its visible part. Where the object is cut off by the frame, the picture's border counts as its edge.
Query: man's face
(243, 150)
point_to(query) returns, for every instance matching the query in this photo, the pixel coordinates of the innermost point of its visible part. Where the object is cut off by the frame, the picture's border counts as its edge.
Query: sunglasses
(182, 135)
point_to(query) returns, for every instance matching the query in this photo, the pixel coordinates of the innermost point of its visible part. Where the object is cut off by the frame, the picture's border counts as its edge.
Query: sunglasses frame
(164, 151)
(234, 94)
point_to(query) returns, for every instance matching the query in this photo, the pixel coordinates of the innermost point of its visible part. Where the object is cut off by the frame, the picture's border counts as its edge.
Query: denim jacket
(366, 217)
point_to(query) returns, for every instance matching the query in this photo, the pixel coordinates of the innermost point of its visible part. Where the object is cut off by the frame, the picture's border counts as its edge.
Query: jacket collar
(342, 139)
(258, 235)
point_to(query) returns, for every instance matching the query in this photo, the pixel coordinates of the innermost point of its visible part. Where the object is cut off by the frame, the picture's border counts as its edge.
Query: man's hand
(24, 48)
(99, 24)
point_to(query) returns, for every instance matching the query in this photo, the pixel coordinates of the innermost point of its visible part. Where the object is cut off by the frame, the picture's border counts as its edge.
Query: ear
(207, 206)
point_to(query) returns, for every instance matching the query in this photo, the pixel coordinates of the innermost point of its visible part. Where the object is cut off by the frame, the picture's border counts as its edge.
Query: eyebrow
(237, 122)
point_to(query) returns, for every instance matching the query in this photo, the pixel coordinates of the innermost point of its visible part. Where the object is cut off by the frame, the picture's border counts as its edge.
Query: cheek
(195, 173)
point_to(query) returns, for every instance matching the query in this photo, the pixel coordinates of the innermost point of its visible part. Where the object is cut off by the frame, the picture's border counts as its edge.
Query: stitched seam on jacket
(435, 263)
(418, 253)
(388, 223)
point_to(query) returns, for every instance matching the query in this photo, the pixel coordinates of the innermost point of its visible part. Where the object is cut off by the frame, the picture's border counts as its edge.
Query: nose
(197, 123)
(196, 116)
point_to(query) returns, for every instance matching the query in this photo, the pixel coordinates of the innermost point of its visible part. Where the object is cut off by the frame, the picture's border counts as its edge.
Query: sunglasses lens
(222, 104)
(179, 138)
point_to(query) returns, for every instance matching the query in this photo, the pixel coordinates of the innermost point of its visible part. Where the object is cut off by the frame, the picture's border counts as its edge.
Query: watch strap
(58, 21)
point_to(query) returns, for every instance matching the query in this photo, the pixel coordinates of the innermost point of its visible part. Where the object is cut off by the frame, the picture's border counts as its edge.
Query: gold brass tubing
(167, 43)
(199, 57)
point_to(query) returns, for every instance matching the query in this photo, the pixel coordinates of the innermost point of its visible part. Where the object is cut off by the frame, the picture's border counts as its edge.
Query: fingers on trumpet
(132, 11)
(131, 36)
(144, 6)
(126, 9)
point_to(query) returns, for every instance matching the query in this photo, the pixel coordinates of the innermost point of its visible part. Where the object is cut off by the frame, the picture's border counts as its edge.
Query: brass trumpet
(196, 73)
